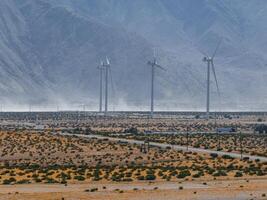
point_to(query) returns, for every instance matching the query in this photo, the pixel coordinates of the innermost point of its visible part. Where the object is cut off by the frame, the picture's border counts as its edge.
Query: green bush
(79, 178)
(227, 157)
(197, 175)
(214, 155)
(220, 173)
(23, 181)
(150, 177)
(50, 180)
(184, 174)
(9, 181)
(238, 174)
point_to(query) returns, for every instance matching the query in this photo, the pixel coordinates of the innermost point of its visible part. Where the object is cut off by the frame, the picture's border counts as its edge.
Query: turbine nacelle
(152, 63)
(101, 66)
(155, 64)
(207, 59)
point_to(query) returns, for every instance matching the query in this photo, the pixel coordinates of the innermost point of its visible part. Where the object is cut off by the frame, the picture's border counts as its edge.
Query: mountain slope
(50, 50)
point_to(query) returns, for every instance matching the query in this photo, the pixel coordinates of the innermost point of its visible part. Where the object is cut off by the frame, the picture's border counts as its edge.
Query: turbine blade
(215, 77)
(160, 67)
(108, 63)
(218, 45)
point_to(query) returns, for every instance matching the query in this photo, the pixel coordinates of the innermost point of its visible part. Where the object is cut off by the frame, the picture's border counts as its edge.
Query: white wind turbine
(101, 69)
(210, 64)
(107, 69)
(153, 65)
(104, 67)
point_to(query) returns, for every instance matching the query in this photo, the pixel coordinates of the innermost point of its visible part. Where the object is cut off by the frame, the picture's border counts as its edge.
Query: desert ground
(63, 156)
(233, 189)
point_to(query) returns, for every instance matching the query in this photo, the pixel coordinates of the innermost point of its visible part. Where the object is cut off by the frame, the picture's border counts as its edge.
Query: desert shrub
(238, 174)
(23, 181)
(37, 180)
(227, 157)
(150, 177)
(34, 166)
(96, 175)
(79, 178)
(9, 181)
(220, 173)
(51, 180)
(184, 174)
(91, 190)
(199, 174)
(260, 173)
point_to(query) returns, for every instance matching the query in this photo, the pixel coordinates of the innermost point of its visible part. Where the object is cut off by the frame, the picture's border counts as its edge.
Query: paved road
(176, 147)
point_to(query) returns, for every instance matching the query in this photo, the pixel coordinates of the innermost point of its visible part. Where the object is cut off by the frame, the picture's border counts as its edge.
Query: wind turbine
(104, 67)
(210, 64)
(101, 69)
(107, 68)
(153, 65)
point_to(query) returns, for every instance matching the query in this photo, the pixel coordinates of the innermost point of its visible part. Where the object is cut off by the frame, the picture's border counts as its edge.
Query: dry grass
(48, 158)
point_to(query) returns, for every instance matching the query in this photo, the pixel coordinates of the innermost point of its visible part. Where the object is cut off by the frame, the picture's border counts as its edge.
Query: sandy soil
(237, 189)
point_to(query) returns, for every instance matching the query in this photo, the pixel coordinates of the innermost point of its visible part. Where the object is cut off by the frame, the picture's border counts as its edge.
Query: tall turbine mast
(107, 66)
(210, 64)
(208, 60)
(153, 65)
(101, 68)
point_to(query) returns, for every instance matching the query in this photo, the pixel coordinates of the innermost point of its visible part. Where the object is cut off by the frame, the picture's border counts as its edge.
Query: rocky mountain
(50, 50)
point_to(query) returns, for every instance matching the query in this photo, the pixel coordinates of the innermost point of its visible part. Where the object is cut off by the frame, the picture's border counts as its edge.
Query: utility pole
(187, 137)
(241, 144)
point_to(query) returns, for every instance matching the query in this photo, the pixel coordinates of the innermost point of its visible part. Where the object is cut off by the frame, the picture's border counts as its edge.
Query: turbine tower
(101, 69)
(210, 64)
(107, 68)
(104, 67)
(153, 65)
